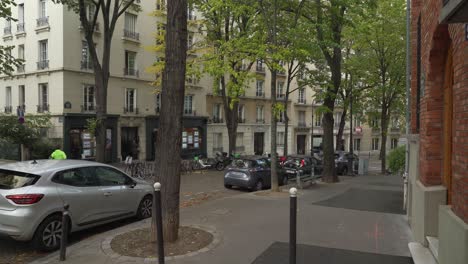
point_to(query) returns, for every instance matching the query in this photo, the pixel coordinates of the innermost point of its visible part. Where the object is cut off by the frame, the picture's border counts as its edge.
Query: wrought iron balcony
(88, 108)
(131, 72)
(260, 94)
(132, 109)
(42, 65)
(301, 101)
(42, 108)
(43, 22)
(217, 119)
(130, 34)
(8, 109)
(190, 112)
(301, 124)
(20, 27)
(260, 68)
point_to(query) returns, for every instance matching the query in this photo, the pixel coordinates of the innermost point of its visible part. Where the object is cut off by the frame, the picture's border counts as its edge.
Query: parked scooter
(205, 163)
(222, 160)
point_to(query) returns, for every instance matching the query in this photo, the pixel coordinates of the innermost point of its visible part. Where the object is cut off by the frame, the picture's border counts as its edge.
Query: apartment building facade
(57, 78)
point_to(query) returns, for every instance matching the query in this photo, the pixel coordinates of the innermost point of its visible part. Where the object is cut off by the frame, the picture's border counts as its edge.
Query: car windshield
(240, 163)
(14, 179)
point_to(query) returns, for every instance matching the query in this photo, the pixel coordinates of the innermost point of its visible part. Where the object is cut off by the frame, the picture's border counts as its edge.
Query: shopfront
(79, 143)
(193, 136)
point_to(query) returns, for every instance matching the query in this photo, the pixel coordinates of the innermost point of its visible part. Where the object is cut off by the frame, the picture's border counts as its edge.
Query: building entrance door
(129, 142)
(259, 143)
(448, 117)
(301, 144)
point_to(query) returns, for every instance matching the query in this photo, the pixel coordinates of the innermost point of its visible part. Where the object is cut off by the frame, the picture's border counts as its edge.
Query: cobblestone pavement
(196, 188)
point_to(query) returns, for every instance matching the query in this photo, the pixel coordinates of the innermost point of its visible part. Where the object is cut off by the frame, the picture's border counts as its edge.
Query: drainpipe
(408, 99)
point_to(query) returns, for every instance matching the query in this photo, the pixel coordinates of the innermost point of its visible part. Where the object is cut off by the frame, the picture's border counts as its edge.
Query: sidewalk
(249, 226)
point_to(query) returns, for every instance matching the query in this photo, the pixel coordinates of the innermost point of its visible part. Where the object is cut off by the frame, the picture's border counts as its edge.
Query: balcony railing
(190, 112)
(395, 130)
(7, 31)
(42, 65)
(88, 108)
(131, 72)
(8, 109)
(20, 27)
(43, 108)
(260, 94)
(375, 129)
(280, 96)
(217, 119)
(301, 124)
(133, 110)
(260, 68)
(301, 101)
(43, 22)
(130, 34)
(261, 120)
(87, 65)
(21, 68)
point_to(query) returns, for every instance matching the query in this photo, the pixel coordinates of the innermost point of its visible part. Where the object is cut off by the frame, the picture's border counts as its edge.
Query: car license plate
(290, 171)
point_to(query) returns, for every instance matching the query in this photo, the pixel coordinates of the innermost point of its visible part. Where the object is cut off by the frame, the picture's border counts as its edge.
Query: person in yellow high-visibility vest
(58, 154)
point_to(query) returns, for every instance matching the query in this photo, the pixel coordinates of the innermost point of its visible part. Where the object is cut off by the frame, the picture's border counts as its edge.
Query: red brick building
(438, 187)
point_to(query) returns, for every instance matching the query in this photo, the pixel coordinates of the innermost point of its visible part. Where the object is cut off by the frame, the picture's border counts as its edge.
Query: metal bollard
(158, 218)
(292, 225)
(64, 238)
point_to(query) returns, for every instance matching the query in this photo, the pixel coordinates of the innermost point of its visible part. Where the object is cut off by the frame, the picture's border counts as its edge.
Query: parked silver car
(33, 194)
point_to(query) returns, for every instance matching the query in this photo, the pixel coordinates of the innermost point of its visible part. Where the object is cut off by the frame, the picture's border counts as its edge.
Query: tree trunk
(383, 147)
(274, 158)
(101, 103)
(339, 135)
(329, 172)
(232, 123)
(286, 125)
(168, 153)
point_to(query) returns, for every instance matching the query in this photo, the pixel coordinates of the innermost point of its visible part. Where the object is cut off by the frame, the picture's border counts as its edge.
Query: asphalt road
(196, 188)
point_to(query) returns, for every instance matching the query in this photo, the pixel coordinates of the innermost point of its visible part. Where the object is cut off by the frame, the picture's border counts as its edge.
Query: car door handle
(107, 194)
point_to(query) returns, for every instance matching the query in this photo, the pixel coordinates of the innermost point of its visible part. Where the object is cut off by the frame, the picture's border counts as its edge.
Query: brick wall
(435, 42)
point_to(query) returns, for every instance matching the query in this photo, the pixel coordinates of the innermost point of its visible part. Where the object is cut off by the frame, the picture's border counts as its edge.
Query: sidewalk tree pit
(137, 243)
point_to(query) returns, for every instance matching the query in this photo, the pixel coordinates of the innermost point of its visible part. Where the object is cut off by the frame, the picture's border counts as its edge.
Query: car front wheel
(145, 207)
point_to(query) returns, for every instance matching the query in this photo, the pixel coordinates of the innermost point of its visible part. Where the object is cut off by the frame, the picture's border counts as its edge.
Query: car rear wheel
(258, 186)
(145, 207)
(49, 233)
(220, 166)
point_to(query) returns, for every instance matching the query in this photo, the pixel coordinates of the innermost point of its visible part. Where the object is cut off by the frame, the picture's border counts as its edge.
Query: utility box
(363, 166)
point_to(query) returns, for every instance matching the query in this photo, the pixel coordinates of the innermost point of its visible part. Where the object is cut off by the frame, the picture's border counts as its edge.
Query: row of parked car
(254, 172)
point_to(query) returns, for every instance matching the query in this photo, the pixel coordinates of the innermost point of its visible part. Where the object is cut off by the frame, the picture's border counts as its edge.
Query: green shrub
(42, 148)
(396, 160)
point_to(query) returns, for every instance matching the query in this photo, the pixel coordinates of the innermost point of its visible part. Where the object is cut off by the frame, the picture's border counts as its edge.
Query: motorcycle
(222, 160)
(204, 163)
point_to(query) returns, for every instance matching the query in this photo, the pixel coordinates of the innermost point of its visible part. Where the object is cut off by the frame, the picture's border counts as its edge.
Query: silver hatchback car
(33, 194)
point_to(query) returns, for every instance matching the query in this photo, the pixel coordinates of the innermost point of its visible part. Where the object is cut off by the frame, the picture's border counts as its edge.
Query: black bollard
(159, 228)
(64, 238)
(292, 225)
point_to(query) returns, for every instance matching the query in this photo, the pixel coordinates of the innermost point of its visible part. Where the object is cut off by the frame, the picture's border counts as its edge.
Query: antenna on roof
(34, 162)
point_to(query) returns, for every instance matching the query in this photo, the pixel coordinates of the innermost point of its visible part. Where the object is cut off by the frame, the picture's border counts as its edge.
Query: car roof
(40, 167)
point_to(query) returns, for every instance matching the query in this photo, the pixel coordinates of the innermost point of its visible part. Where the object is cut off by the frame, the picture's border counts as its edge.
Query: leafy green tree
(90, 12)
(25, 134)
(7, 61)
(230, 48)
(381, 38)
